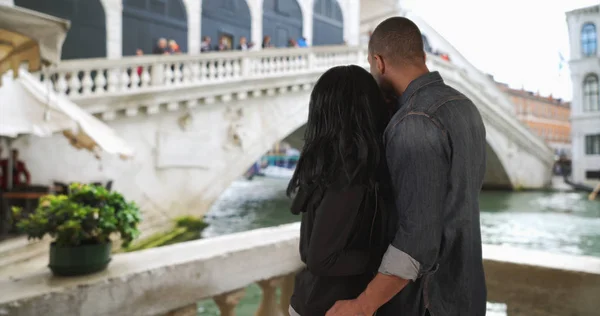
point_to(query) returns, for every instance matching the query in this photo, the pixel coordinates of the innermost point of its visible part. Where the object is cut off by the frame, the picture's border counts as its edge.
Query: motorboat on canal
(275, 165)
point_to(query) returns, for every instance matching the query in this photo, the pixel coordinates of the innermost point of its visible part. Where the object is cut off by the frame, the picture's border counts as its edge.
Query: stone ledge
(535, 283)
(156, 281)
(160, 280)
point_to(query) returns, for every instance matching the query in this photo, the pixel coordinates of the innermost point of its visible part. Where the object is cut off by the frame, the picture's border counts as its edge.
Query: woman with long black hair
(337, 187)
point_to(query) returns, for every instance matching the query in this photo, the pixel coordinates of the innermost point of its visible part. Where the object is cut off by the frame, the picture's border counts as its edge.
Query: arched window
(589, 39)
(328, 23)
(282, 21)
(591, 90)
(145, 21)
(227, 19)
(87, 36)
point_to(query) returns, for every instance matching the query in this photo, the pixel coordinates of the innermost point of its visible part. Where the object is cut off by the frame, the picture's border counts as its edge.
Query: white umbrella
(28, 106)
(29, 36)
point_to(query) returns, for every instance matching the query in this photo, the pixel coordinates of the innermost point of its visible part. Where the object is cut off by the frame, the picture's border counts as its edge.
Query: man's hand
(346, 308)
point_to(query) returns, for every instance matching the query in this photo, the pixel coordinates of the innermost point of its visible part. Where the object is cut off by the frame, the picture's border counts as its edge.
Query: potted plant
(81, 224)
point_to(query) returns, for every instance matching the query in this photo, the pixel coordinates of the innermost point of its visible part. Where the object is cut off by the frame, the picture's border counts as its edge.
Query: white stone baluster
(195, 71)
(285, 64)
(221, 69)
(204, 71)
(177, 74)
(124, 79)
(212, 70)
(61, 85)
(158, 75)
(228, 302)
(145, 77)
(236, 68)
(260, 67)
(294, 63)
(272, 65)
(87, 83)
(228, 69)
(113, 80)
(311, 62)
(246, 68)
(168, 74)
(280, 64)
(99, 82)
(134, 79)
(263, 68)
(188, 77)
(74, 83)
(268, 303)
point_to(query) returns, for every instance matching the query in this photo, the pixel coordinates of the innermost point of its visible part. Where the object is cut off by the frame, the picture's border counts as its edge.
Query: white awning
(28, 106)
(29, 36)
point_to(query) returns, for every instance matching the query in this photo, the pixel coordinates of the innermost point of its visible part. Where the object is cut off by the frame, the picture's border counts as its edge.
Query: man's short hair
(397, 39)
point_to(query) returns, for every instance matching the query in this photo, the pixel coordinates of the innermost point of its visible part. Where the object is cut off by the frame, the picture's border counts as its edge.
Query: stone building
(546, 116)
(585, 111)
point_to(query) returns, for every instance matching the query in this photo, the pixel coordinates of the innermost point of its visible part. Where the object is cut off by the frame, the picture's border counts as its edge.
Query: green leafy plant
(87, 215)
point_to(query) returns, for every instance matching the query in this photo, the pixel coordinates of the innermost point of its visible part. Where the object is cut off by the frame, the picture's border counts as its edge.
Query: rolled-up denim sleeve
(417, 153)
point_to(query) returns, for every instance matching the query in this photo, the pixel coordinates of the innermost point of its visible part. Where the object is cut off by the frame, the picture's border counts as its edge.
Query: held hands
(347, 308)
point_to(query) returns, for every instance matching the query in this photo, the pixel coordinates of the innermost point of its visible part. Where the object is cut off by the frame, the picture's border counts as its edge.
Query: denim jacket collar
(417, 84)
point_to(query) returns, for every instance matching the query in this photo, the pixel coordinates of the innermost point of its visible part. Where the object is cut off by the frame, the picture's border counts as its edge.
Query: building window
(588, 39)
(592, 144)
(590, 93)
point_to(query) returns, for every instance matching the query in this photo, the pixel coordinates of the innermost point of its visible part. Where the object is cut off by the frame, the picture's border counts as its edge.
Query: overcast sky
(517, 41)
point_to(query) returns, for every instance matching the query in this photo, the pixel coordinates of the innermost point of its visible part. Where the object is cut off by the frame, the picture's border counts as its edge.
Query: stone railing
(93, 77)
(502, 120)
(170, 280)
(104, 86)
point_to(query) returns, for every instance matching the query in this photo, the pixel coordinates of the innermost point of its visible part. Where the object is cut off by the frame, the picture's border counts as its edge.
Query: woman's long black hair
(344, 133)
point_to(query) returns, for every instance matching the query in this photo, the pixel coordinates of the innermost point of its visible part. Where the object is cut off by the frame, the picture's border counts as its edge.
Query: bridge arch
(145, 21)
(88, 25)
(328, 23)
(496, 176)
(282, 20)
(228, 18)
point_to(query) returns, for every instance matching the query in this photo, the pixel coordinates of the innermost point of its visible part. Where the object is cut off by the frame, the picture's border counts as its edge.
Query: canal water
(559, 222)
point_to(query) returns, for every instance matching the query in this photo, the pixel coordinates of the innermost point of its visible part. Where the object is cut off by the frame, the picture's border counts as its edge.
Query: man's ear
(380, 64)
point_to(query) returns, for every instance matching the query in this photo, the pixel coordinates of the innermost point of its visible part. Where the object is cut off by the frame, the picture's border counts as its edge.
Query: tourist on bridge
(205, 45)
(161, 47)
(223, 44)
(243, 44)
(302, 42)
(174, 47)
(338, 185)
(267, 42)
(435, 148)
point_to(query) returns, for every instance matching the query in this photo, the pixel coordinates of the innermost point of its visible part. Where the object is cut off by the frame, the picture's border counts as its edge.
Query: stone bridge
(198, 122)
